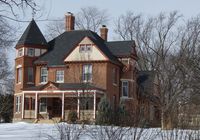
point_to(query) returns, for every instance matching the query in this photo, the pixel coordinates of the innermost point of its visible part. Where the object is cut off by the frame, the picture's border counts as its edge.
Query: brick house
(72, 72)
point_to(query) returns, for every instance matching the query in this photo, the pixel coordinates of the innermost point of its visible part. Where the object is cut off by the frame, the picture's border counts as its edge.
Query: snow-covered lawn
(27, 131)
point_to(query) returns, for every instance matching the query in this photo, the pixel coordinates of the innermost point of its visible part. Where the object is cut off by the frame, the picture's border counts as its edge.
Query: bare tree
(88, 18)
(158, 40)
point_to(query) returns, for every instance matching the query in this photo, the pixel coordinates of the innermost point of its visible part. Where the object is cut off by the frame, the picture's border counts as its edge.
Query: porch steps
(49, 121)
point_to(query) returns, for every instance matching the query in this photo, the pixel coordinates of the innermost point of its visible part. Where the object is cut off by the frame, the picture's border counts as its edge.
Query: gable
(80, 53)
(49, 87)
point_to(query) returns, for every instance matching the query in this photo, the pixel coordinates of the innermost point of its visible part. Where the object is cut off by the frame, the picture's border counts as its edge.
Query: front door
(56, 107)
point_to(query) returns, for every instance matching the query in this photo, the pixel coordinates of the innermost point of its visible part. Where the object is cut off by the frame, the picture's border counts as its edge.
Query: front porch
(46, 105)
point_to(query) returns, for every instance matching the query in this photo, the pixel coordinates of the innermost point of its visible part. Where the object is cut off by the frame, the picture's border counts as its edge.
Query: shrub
(72, 116)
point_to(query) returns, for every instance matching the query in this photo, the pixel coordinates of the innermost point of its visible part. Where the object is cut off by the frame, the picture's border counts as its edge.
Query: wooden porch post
(94, 104)
(36, 105)
(22, 105)
(78, 105)
(63, 105)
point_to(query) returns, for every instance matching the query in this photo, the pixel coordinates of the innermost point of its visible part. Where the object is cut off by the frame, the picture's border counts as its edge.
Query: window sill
(17, 112)
(43, 112)
(42, 83)
(18, 83)
(30, 83)
(126, 98)
(59, 81)
(114, 84)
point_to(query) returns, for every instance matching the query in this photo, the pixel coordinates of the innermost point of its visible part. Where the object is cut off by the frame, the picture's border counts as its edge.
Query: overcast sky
(52, 9)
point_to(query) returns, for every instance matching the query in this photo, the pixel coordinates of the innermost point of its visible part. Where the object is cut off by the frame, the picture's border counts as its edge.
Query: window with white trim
(85, 48)
(31, 52)
(60, 76)
(30, 74)
(43, 74)
(125, 88)
(87, 73)
(18, 103)
(20, 52)
(43, 105)
(19, 75)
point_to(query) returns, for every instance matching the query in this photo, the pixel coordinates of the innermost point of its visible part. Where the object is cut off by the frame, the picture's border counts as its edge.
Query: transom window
(85, 48)
(60, 76)
(18, 103)
(87, 73)
(43, 75)
(43, 105)
(124, 88)
(31, 52)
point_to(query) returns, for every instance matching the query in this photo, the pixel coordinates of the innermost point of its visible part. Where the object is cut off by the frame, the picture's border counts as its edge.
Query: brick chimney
(104, 32)
(69, 21)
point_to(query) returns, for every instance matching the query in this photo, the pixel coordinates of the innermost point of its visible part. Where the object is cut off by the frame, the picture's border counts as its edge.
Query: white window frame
(83, 48)
(20, 52)
(60, 76)
(31, 52)
(19, 75)
(17, 104)
(43, 75)
(126, 87)
(87, 71)
(43, 103)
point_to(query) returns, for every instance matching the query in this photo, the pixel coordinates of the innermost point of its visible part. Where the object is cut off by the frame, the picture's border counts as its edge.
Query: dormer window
(85, 48)
(31, 51)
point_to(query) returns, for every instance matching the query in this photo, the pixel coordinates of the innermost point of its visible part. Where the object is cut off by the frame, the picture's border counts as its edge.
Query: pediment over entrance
(50, 86)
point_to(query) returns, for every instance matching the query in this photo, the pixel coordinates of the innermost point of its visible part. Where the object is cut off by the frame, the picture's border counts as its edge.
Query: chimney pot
(104, 32)
(69, 21)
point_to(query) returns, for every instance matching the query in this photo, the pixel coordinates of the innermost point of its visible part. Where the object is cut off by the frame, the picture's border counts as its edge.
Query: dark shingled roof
(32, 36)
(66, 86)
(122, 48)
(65, 43)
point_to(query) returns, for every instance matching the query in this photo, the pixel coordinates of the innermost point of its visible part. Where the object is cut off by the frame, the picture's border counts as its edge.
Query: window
(19, 75)
(114, 76)
(30, 74)
(31, 52)
(18, 103)
(43, 105)
(43, 75)
(60, 76)
(85, 48)
(124, 88)
(20, 52)
(87, 73)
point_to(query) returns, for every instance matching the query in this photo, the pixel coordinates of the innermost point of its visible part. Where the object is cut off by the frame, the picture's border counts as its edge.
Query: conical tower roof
(32, 36)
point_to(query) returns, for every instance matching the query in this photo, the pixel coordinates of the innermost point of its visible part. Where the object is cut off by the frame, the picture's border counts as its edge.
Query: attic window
(20, 52)
(85, 48)
(31, 52)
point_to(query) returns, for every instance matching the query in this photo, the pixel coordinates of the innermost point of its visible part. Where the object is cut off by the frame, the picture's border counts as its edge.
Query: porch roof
(64, 86)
